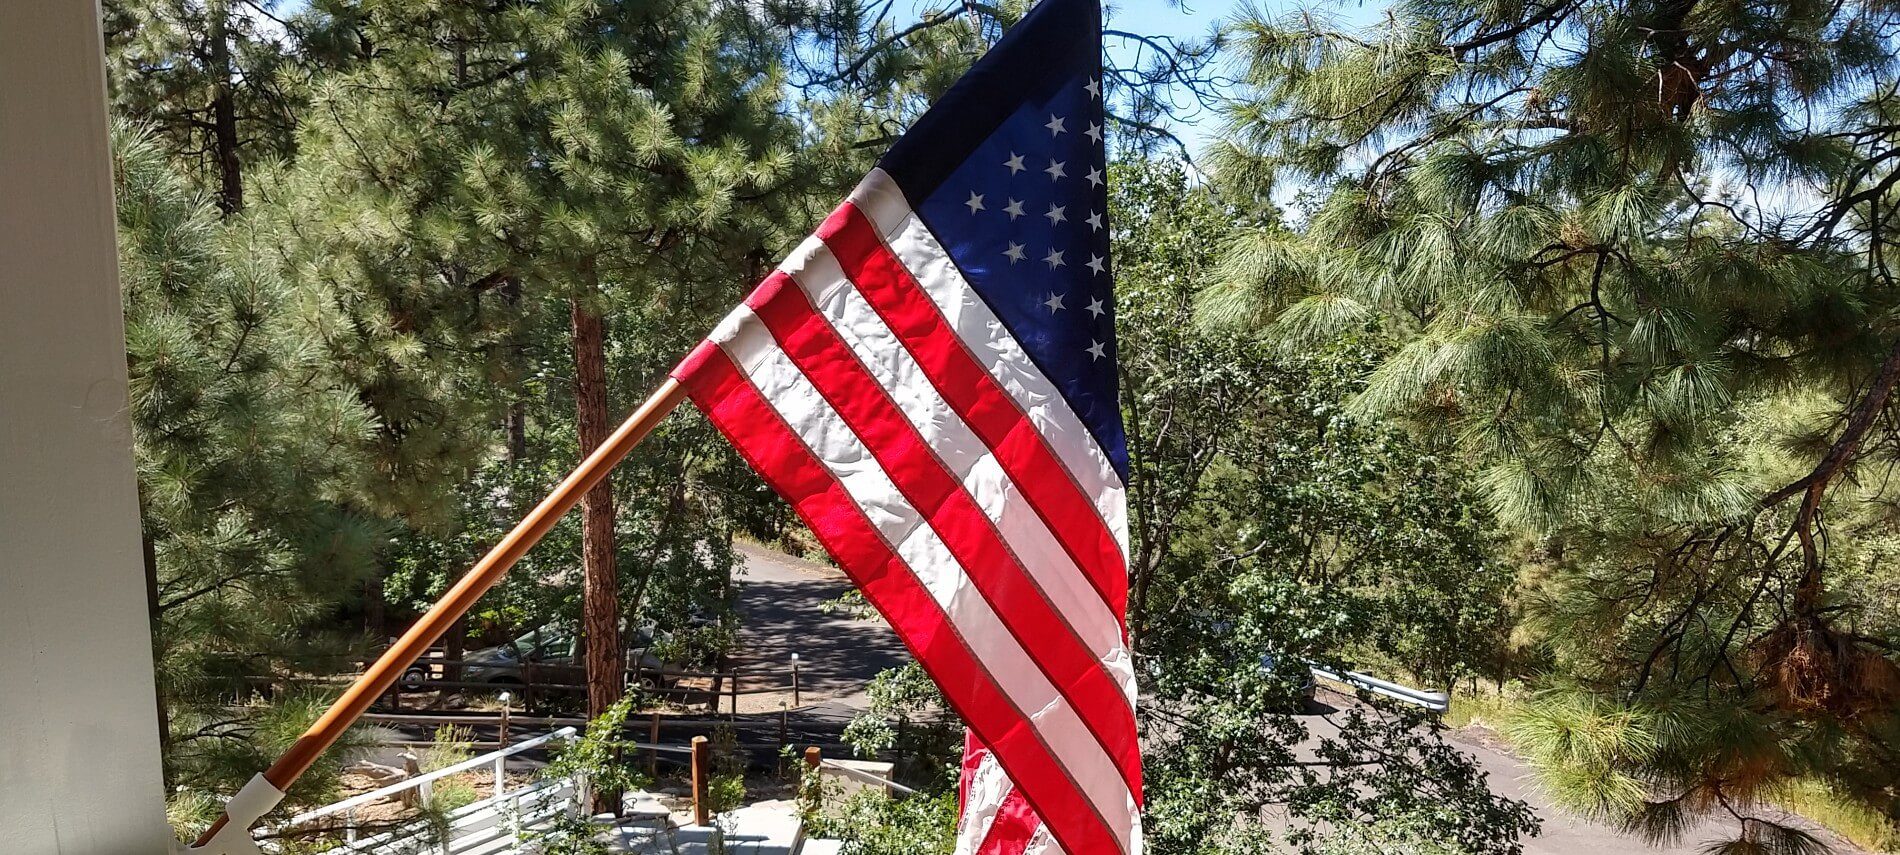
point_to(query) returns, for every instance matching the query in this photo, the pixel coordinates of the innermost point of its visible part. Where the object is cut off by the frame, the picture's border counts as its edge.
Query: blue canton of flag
(1025, 212)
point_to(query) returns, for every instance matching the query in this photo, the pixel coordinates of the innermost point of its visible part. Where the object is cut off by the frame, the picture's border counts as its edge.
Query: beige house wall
(79, 761)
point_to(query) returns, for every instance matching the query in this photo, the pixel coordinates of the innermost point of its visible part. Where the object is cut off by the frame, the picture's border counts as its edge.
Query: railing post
(501, 741)
(735, 694)
(795, 680)
(702, 772)
(411, 768)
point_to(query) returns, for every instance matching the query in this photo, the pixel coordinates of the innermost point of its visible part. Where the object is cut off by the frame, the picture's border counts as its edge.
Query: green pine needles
(1635, 257)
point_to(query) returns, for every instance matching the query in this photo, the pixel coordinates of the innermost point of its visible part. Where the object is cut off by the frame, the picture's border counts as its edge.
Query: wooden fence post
(653, 754)
(814, 759)
(795, 679)
(702, 774)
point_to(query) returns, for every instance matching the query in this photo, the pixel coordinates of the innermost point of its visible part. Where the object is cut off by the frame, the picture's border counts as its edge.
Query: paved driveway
(1562, 833)
(781, 603)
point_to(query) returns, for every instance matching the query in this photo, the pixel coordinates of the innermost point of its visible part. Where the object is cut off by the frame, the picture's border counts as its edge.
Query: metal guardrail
(1434, 701)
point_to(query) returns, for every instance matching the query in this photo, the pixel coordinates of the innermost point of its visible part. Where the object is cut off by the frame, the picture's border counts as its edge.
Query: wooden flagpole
(463, 596)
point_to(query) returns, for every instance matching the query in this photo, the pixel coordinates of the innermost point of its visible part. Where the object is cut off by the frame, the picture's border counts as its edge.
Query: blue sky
(1192, 19)
(1159, 17)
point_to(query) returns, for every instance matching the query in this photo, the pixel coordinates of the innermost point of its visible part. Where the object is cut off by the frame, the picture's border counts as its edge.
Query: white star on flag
(1095, 263)
(1015, 163)
(1055, 170)
(1015, 252)
(1054, 259)
(1095, 177)
(1014, 209)
(1054, 303)
(1056, 214)
(1095, 221)
(976, 202)
(1055, 125)
(1094, 132)
(1095, 307)
(1096, 351)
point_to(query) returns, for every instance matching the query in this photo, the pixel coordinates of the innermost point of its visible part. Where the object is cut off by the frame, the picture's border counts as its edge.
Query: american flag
(930, 381)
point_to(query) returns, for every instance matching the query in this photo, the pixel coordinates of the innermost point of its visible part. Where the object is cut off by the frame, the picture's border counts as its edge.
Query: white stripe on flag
(989, 785)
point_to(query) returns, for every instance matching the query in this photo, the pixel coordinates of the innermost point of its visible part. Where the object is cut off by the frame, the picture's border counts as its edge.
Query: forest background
(1540, 350)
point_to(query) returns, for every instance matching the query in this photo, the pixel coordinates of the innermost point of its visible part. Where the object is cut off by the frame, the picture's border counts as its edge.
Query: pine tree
(617, 163)
(1635, 256)
(243, 439)
(217, 83)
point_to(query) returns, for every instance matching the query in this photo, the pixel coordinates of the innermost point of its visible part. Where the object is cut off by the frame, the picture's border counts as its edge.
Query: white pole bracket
(243, 811)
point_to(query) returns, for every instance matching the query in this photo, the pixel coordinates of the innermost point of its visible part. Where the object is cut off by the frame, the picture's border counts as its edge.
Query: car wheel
(414, 678)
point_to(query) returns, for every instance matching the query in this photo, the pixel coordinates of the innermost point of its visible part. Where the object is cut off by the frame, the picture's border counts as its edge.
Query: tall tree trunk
(600, 595)
(149, 551)
(375, 607)
(517, 432)
(224, 115)
(517, 419)
(454, 647)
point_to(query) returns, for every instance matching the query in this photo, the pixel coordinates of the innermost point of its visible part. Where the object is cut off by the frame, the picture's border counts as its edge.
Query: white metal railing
(1434, 701)
(425, 786)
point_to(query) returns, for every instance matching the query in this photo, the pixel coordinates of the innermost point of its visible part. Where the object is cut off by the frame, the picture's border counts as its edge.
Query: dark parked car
(553, 645)
(1280, 667)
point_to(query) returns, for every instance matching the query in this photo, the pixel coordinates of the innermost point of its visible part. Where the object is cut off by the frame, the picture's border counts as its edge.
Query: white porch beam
(79, 759)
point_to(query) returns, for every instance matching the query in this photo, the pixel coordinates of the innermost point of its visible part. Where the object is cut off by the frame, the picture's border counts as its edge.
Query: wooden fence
(535, 682)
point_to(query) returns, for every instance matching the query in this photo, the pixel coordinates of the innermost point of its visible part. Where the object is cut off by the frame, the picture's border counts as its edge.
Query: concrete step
(762, 828)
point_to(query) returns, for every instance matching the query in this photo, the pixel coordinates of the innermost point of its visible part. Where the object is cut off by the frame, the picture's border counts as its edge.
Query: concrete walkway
(653, 828)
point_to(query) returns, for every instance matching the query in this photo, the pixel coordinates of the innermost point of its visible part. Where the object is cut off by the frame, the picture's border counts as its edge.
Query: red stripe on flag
(769, 445)
(1014, 825)
(867, 408)
(989, 410)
